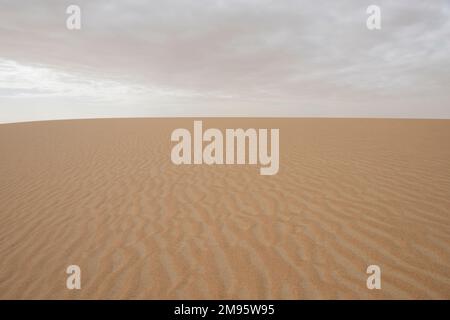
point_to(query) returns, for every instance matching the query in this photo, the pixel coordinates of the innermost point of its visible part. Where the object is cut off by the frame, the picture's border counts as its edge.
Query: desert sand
(104, 195)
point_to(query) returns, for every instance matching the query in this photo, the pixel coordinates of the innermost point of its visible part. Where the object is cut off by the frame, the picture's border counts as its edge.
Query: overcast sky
(230, 57)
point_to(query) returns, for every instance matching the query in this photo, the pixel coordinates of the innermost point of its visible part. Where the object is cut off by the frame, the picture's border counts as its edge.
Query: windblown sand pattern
(103, 194)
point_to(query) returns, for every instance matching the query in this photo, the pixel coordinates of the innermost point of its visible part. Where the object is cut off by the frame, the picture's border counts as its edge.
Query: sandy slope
(103, 194)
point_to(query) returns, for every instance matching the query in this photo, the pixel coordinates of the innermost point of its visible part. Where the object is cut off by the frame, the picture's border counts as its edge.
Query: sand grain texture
(103, 194)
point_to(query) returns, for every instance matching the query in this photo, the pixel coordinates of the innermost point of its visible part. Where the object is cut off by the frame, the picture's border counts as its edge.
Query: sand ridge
(103, 194)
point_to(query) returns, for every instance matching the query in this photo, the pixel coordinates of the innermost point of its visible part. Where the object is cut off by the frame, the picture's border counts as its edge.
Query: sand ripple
(103, 194)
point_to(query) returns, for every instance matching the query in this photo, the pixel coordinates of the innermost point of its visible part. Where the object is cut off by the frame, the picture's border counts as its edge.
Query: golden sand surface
(104, 195)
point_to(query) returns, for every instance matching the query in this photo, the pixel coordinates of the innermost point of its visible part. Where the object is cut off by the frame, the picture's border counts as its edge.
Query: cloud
(234, 57)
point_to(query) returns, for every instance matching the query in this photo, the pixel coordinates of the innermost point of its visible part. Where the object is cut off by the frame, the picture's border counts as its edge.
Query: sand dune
(103, 194)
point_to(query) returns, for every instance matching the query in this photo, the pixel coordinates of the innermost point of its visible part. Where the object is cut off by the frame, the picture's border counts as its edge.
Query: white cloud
(234, 57)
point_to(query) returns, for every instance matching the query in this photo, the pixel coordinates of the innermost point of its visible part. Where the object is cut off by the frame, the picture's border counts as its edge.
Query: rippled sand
(103, 194)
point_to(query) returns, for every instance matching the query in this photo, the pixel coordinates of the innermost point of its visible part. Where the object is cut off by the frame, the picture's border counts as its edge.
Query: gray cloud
(234, 57)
